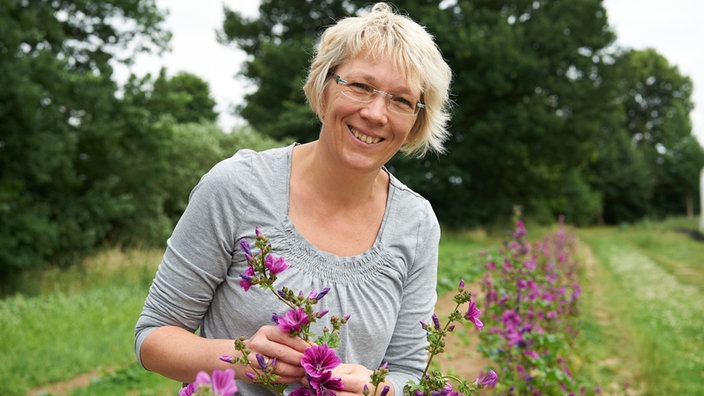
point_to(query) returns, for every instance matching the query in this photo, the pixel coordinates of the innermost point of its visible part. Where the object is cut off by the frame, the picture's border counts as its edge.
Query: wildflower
(227, 359)
(489, 380)
(511, 319)
(246, 278)
(244, 245)
(520, 230)
(223, 382)
(293, 320)
(322, 294)
(302, 391)
(275, 264)
(188, 390)
(473, 315)
(436, 321)
(262, 361)
(319, 359)
(325, 385)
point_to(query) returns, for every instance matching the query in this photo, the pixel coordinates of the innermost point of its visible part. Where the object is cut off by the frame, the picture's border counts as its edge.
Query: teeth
(365, 138)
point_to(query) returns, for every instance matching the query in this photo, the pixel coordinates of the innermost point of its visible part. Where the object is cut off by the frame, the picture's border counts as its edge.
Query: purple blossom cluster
(531, 293)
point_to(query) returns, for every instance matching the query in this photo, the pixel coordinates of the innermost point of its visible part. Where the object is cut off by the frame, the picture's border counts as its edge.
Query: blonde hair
(382, 34)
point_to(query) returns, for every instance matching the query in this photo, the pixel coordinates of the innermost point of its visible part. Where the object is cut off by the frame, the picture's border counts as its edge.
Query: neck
(336, 184)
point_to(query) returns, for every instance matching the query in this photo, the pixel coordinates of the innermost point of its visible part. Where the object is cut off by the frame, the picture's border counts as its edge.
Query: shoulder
(408, 199)
(247, 164)
(411, 210)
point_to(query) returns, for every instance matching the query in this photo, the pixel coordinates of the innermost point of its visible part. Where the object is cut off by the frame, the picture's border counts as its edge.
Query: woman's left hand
(354, 377)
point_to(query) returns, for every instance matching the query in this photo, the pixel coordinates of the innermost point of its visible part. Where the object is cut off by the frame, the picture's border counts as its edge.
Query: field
(70, 332)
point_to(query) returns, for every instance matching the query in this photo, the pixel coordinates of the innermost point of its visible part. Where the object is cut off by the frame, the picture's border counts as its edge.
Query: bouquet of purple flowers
(320, 358)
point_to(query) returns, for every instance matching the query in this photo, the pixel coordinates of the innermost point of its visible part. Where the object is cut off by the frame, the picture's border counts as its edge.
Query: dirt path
(65, 387)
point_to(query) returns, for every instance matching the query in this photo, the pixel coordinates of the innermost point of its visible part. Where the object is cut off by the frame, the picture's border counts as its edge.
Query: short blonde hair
(382, 34)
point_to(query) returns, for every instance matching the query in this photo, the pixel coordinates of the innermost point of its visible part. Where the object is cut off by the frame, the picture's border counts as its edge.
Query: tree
(656, 99)
(185, 97)
(525, 73)
(59, 122)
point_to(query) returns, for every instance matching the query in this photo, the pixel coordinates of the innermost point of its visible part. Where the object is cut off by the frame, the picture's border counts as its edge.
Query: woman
(379, 85)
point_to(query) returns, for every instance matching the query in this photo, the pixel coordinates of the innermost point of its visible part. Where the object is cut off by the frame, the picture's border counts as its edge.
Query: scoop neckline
(293, 232)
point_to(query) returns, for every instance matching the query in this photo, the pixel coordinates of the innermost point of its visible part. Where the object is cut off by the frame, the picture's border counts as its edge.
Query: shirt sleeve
(197, 256)
(407, 354)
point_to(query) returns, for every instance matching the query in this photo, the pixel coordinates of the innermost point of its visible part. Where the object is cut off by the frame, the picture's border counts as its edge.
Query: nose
(377, 108)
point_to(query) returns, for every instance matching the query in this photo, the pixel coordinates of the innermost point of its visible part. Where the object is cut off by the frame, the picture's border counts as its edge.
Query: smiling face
(364, 136)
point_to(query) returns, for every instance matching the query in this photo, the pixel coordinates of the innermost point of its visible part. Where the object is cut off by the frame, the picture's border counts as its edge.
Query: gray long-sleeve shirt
(386, 290)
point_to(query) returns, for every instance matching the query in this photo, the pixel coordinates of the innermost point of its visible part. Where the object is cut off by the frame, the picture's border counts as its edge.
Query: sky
(672, 27)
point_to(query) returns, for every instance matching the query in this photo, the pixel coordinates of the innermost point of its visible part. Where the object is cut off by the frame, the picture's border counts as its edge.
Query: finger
(297, 343)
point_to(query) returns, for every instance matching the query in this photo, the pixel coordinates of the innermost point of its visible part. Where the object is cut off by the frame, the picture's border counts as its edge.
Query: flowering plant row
(320, 358)
(531, 293)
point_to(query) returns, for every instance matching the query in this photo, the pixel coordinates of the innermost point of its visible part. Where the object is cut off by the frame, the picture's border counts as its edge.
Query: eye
(403, 102)
(360, 87)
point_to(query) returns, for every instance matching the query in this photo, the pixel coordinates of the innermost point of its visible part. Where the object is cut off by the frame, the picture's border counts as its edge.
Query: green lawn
(644, 310)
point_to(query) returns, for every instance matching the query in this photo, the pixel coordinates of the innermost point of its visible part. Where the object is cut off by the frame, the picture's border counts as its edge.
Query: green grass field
(643, 315)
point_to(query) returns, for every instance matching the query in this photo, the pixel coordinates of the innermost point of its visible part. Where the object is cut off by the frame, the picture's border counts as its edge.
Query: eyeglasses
(364, 93)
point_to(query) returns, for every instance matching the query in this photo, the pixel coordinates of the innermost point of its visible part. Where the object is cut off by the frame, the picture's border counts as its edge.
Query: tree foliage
(548, 113)
(58, 116)
(82, 162)
(184, 97)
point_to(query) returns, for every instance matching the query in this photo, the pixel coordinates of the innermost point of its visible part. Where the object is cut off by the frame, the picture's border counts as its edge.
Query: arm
(196, 262)
(406, 354)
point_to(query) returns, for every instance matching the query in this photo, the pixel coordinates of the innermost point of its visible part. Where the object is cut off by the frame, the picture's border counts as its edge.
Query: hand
(271, 343)
(354, 377)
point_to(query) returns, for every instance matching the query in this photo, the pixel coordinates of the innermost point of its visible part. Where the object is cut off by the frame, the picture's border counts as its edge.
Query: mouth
(364, 138)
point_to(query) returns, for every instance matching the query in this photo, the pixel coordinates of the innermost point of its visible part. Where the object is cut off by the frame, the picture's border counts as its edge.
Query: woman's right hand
(270, 342)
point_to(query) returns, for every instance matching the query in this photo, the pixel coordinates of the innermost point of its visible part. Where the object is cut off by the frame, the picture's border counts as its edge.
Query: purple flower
(436, 321)
(490, 379)
(513, 336)
(227, 359)
(275, 265)
(325, 385)
(244, 245)
(473, 315)
(302, 391)
(262, 361)
(520, 230)
(385, 391)
(293, 320)
(246, 278)
(188, 390)
(511, 319)
(319, 359)
(223, 382)
(322, 293)
(461, 284)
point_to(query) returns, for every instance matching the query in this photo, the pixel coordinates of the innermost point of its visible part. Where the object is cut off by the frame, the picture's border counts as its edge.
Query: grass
(72, 321)
(643, 312)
